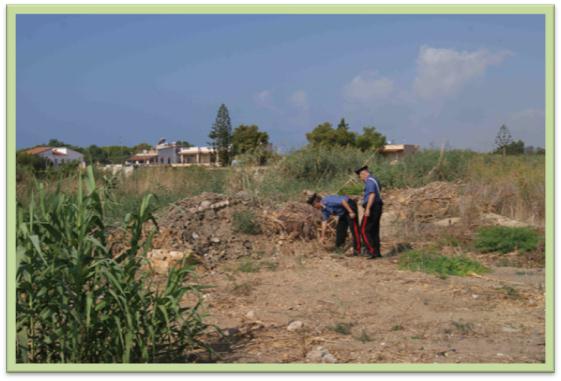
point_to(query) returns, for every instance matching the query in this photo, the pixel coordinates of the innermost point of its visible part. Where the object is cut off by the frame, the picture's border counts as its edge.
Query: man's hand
(352, 215)
(367, 212)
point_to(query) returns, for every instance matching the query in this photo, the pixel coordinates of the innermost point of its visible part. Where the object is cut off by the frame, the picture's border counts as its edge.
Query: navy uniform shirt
(333, 205)
(372, 185)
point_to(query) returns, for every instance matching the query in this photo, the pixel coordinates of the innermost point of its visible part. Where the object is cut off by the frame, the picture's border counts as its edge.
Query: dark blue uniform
(333, 205)
(370, 227)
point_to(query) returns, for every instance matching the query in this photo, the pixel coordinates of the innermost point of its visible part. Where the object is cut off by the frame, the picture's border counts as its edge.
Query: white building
(198, 156)
(57, 155)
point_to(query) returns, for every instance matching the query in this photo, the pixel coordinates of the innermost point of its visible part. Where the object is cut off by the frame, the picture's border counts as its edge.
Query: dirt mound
(207, 228)
(202, 226)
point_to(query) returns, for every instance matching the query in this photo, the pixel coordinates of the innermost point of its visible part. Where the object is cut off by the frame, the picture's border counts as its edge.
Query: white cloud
(264, 99)
(299, 99)
(444, 72)
(368, 87)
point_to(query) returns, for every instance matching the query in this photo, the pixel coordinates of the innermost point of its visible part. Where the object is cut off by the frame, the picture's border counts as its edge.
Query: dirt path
(365, 311)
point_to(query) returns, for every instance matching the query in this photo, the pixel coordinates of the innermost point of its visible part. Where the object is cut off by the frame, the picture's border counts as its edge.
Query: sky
(419, 79)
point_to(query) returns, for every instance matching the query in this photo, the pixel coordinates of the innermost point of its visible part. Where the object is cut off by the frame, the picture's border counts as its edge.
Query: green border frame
(13, 10)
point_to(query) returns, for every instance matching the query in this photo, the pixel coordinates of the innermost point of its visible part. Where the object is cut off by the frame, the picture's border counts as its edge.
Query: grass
(243, 289)
(509, 291)
(397, 327)
(246, 222)
(440, 265)
(463, 327)
(363, 337)
(506, 239)
(248, 266)
(342, 328)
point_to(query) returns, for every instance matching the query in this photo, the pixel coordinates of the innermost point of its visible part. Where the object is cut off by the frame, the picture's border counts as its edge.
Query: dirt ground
(279, 297)
(368, 311)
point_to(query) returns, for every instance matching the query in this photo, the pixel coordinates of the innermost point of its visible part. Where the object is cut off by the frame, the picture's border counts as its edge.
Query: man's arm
(323, 229)
(371, 197)
(349, 209)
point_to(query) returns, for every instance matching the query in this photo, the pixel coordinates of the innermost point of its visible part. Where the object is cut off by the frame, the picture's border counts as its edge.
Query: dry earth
(350, 309)
(364, 311)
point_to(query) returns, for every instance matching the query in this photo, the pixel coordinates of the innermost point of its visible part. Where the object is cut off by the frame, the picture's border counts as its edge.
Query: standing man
(372, 203)
(346, 210)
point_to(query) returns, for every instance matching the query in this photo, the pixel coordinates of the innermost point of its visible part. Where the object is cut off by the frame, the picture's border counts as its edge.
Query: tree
(503, 139)
(323, 134)
(221, 135)
(370, 139)
(183, 143)
(514, 148)
(344, 137)
(248, 139)
(141, 147)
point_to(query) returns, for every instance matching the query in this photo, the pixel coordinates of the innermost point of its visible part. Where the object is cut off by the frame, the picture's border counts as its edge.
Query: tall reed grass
(78, 304)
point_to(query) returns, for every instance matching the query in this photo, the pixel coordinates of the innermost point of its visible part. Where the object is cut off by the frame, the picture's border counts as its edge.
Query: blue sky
(126, 79)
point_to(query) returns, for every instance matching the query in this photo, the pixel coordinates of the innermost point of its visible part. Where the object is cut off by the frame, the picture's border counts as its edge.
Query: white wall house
(57, 155)
(167, 153)
(197, 156)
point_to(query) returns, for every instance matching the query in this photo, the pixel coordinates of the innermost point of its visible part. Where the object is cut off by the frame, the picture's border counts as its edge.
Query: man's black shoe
(374, 256)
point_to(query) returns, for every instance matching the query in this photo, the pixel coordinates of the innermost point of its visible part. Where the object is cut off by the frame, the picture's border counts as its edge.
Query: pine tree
(221, 135)
(503, 139)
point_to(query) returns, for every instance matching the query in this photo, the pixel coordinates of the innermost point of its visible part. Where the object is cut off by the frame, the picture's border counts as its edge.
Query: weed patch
(506, 239)
(439, 264)
(246, 222)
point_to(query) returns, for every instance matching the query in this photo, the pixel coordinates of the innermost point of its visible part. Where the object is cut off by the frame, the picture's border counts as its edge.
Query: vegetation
(76, 303)
(506, 239)
(342, 328)
(221, 136)
(246, 222)
(325, 135)
(249, 140)
(440, 265)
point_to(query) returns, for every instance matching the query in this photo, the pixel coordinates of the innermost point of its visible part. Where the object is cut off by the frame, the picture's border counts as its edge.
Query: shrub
(506, 239)
(439, 264)
(76, 303)
(246, 222)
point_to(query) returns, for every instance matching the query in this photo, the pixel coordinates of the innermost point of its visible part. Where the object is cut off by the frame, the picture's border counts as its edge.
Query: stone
(205, 204)
(251, 315)
(320, 355)
(215, 240)
(195, 236)
(295, 326)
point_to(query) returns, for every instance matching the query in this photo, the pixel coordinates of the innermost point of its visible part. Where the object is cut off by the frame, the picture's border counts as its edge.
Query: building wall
(167, 156)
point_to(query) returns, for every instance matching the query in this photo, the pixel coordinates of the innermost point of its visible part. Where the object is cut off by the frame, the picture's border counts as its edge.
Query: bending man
(346, 210)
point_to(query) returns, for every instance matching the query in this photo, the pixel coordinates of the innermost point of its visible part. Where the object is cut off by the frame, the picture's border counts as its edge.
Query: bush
(439, 264)
(76, 303)
(506, 239)
(246, 222)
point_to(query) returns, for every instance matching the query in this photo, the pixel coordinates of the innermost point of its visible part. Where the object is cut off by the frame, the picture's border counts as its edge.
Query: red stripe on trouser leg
(357, 236)
(368, 246)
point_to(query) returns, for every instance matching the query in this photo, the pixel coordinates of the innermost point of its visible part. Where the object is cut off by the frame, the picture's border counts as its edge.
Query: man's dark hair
(313, 199)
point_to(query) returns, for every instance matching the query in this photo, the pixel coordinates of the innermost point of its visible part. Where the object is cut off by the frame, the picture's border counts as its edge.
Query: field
(461, 280)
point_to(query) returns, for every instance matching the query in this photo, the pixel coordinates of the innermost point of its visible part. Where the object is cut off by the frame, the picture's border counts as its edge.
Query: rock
(251, 315)
(295, 326)
(215, 240)
(320, 355)
(195, 236)
(447, 221)
(205, 204)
